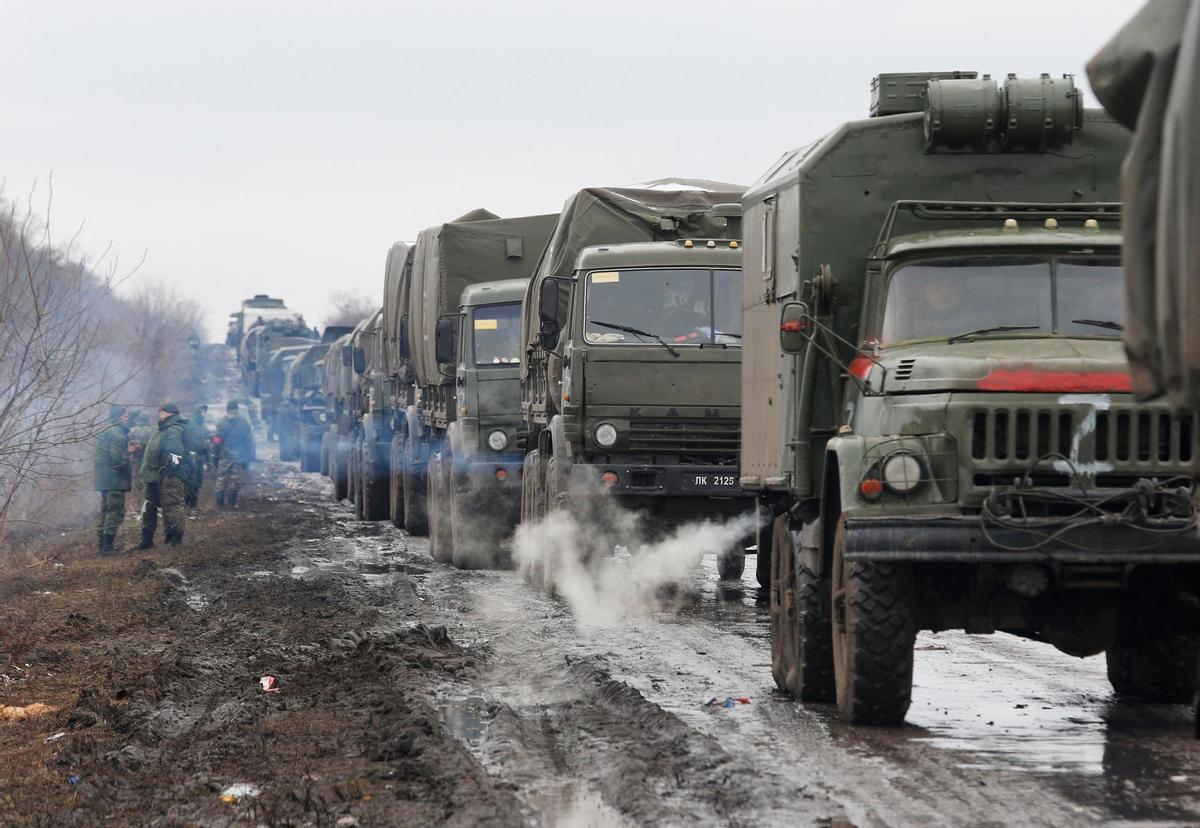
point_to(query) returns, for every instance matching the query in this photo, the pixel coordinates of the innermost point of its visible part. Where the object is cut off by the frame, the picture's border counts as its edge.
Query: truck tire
(375, 483)
(356, 479)
(396, 483)
(550, 503)
(338, 459)
(874, 632)
(783, 615)
(310, 452)
(1155, 656)
(440, 544)
(763, 568)
(325, 454)
(731, 564)
(416, 518)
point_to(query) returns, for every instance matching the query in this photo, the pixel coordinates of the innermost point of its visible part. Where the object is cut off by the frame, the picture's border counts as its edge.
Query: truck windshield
(497, 330)
(1039, 295)
(682, 306)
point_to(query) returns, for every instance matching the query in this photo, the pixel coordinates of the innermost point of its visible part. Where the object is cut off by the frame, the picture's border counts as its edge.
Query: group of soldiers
(173, 456)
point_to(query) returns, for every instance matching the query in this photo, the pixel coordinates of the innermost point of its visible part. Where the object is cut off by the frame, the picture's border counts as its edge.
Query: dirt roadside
(149, 665)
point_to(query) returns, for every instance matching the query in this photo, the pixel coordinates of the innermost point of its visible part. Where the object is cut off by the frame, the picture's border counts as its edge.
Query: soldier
(165, 472)
(196, 443)
(113, 475)
(235, 450)
(287, 426)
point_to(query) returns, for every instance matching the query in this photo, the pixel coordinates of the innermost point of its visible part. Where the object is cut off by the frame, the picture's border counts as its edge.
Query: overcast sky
(281, 147)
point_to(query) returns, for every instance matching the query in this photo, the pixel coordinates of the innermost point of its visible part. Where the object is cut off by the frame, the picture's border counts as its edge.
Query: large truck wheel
(874, 632)
(440, 543)
(325, 443)
(310, 452)
(731, 563)
(338, 461)
(356, 473)
(396, 483)
(416, 519)
(763, 568)
(375, 484)
(1156, 654)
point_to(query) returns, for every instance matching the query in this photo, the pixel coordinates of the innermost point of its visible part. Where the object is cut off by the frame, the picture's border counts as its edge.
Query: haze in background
(281, 147)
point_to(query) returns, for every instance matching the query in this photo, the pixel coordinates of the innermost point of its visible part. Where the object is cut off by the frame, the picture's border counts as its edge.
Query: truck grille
(701, 439)
(1128, 436)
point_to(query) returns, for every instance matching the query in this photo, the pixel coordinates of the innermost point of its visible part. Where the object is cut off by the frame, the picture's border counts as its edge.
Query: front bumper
(968, 539)
(661, 481)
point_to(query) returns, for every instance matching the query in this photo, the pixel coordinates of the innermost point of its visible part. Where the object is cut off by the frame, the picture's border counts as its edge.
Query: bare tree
(349, 308)
(69, 347)
(51, 332)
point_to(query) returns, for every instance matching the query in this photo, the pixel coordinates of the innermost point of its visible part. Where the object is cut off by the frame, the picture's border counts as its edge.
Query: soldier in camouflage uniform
(112, 475)
(196, 442)
(235, 450)
(165, 472)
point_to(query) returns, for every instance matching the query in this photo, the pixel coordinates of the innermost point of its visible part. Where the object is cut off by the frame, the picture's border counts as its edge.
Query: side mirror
(405, 353)
(360, 361)
(443, 341)
(549, 324)
(795, 327)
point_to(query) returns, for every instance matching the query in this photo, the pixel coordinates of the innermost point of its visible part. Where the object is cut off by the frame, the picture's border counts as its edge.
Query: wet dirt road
(605, 723)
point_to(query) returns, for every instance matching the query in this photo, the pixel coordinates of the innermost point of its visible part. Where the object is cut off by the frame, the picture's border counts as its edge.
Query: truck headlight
(902, 472)
(606, 435)
(497, 440)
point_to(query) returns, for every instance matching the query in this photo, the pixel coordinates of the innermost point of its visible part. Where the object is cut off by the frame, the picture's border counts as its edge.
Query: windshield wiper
(993, 329)
(1100, 323)
(636, 332)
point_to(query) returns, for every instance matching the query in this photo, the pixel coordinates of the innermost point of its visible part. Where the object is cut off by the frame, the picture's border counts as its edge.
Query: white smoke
(608, 567)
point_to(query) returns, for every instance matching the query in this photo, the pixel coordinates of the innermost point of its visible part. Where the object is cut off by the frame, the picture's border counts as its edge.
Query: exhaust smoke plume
(608, 566)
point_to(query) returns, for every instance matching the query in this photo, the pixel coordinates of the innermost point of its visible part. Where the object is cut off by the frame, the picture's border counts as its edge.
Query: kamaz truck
(303, 388)
(371, 429)
(399, 390)
(336, 388)
(480, 492)
(447, 259)
(936, 405)
(631, 338)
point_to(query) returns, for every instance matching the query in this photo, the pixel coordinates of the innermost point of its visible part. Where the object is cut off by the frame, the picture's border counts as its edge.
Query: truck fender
(552, 443)
(839, 487)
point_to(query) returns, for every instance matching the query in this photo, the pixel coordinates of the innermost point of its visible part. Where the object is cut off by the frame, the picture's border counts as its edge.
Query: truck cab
(649, 398)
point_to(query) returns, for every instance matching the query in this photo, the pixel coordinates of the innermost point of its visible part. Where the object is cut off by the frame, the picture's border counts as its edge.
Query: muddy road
(410, 693)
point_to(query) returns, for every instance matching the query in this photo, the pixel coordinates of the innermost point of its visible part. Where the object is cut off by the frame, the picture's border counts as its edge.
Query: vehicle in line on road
(631, 340)
(936, 404)
(335, 388)
(303, 388)
(447, 260)
(259, 307)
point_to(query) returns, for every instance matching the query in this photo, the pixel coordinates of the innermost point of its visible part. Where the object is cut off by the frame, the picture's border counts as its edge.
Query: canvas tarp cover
(1148, 77)
(617, 215)
(395, 297)
(450, 257)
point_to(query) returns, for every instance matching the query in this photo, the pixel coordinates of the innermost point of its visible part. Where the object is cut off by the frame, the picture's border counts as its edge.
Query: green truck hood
(1009, 364)
(649, 382)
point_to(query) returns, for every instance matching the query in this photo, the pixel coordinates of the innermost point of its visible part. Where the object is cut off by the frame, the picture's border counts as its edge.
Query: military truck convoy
(898, 354)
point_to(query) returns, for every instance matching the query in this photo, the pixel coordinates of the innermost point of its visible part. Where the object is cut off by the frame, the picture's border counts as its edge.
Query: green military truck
(260, 307)
(272, 380)
(483, 453)
(370, 435)
(264, 338)
(631, 340)
(399, 391)
(303, 388)
(447, 259)
(936, 404)
(336, 388)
